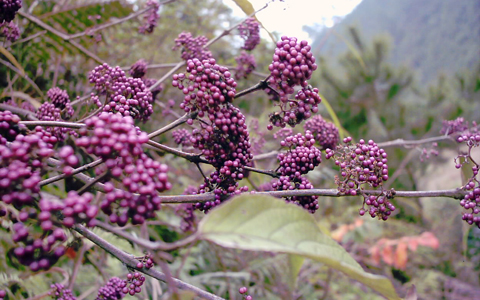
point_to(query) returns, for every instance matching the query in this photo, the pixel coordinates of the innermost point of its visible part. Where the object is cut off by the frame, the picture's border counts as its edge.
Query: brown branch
(31, 37)
(93, 164)
(53, 124)
(18, 110)
(172, 125)
(407, 143)
(131, 262)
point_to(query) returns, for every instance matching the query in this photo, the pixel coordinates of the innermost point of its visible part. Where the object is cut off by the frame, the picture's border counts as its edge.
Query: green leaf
(265, 223)
(295, 263)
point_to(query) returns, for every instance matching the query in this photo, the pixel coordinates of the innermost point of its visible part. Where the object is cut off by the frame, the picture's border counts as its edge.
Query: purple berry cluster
(8, 9)
(74, 209)
(60, 292)
(134, 283)
(112, 290)
(68, 159)
(118, 142)
(471, 201)
(139, 70)
(145, 262)
(250, 32)
(182, 137)
(301, 158)
(9, 127)
(258, 140)
(192, 47)
(222, 137)
(293, 112)
(325, 133)
(282, 133)
(207, 86)
(246, 64)
(243, 291)
(60, 99)
(21, 162)
(363, 163)
(225, 144)
(292, 65)
(126, 95)
(48, 112)
(24, 105)
(151, 18)
(285, 183)
(10, 31)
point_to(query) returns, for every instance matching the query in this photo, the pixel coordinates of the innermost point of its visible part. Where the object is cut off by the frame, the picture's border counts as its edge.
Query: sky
(290, 16)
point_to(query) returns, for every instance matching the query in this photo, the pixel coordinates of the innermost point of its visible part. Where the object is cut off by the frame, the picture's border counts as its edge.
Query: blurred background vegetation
(391, 69)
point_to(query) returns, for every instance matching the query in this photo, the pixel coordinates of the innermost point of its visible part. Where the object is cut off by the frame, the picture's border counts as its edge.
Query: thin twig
(18, 110)
(28, 38)
(93, 164)
(172, 125)
(259, 86)
(53, 124)
(131, 262)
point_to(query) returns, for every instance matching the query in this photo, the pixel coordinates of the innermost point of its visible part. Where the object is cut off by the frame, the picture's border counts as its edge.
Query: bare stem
(259, 86)
(53, 124)
(17, 110)
(172, 125)
(93, 164)
(131, 262)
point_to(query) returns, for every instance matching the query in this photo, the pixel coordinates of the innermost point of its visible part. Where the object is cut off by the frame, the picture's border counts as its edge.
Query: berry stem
(172, 125)
(259, 86)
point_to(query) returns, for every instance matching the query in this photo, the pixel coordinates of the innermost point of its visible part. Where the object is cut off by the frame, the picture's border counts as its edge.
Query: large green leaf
(265, 223)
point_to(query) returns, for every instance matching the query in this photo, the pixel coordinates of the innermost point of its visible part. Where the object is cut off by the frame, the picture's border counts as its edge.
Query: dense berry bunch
(49, 112)
(293, 112)
(10, 31)
(192, 47)
(138, 69)
(302, 156)
(471, 201)
(151, 18)
(243, 291)
(118, 142)
(285, 183)
(74, 209)
(246, 64)
(250, 32)
(68, 159)
(112, 136)
(134, 282)
(182, 137)
(292, 65)
(325, 133)
(126, 95)
(225, 144)
(206, 86)
(363, 163)
(60, 99)
(59, 292)
(9, 127)
(113, 290)
(458, 125)
(21, 162)
(8, 9)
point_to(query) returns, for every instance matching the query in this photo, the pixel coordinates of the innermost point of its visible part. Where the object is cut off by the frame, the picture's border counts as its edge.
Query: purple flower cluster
(8, 9)
(126, 95)
(10, 31)
(292, 65)
(246, 64)
(325, 133)
(363, 163)
(59, 292)
(9, 127)
(192, 47)
(151, 18)
(250, 32)
(118, 142)
(112, 290)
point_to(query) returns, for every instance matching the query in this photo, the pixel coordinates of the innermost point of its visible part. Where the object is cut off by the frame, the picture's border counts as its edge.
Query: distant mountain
(431, 36)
